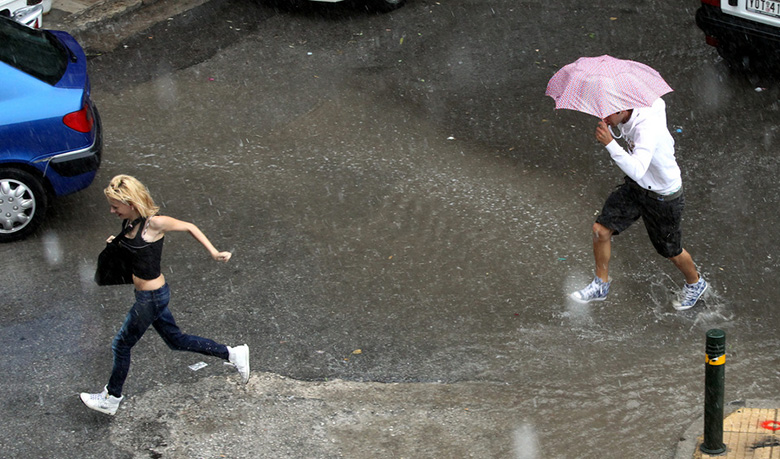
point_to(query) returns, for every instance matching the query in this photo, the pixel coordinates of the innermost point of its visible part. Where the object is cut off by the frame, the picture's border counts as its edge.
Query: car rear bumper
(79, 166)
(77, 162)
(730, 30)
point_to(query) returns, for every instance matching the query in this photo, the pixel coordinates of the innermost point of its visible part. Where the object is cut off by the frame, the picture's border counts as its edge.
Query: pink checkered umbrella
(604, 85)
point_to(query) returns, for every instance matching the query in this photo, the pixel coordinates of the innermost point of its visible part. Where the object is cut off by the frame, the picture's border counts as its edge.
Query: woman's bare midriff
(145, 285)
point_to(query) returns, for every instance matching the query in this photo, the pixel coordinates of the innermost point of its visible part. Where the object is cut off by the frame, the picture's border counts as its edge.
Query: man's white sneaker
(595, 291)
(690, 295)
(239, 357)
(103, 402)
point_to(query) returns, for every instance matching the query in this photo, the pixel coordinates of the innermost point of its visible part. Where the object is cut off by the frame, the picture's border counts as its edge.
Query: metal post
(714, 382)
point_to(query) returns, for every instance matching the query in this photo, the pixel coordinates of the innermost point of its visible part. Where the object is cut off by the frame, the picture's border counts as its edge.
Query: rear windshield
(33, 51)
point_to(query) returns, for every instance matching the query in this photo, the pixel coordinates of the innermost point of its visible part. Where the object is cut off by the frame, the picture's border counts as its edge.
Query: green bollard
(714, 382)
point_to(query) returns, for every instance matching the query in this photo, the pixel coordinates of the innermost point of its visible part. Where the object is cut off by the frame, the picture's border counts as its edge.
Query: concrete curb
(104, 25)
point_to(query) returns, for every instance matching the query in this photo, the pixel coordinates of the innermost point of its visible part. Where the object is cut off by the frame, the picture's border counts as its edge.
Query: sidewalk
(750, 432)
(62, 9)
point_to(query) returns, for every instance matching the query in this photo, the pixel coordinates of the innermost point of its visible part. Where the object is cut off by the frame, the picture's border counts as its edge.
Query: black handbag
(114, 264)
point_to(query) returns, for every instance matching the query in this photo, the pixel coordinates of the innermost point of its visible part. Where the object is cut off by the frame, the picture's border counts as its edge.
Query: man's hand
(602, 133)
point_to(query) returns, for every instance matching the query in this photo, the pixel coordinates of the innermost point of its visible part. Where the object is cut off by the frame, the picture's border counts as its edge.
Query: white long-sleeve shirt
(650, 159)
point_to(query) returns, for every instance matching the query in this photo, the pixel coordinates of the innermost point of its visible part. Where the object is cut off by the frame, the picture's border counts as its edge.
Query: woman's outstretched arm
(161, 224)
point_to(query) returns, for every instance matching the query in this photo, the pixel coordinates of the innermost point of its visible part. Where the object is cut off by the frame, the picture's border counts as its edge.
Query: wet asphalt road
(400, 186)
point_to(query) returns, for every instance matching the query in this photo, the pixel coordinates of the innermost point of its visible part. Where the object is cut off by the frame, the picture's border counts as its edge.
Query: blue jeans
(151, 308)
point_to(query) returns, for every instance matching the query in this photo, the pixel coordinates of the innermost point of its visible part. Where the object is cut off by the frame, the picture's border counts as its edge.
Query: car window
(33, 51)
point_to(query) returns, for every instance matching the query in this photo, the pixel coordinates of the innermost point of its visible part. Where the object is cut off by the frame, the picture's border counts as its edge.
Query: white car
(743, 31)
(29, 13)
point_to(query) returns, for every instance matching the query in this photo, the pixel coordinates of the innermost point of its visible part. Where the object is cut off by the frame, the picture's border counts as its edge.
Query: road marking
(771, 425)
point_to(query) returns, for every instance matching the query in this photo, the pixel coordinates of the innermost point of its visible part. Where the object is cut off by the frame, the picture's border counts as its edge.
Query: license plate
(768, 7)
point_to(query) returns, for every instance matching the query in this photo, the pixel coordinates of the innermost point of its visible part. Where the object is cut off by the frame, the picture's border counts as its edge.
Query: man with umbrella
(625, 95)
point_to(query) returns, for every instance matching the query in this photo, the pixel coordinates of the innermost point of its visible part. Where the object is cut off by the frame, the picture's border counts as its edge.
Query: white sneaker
(239, 357)
(102, 402)
(597, 290)
(690, 295)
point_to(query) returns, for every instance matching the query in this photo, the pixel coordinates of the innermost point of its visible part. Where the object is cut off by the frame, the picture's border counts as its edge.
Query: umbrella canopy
(604, 85)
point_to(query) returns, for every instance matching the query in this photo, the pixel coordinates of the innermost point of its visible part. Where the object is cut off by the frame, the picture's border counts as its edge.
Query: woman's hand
(222, 256)
(110, 238)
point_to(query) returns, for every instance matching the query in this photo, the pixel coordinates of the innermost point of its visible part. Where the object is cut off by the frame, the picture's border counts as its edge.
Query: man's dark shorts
(662, 218)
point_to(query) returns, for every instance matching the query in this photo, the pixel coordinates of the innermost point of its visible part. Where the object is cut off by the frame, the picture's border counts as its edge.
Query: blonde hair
(129, 190)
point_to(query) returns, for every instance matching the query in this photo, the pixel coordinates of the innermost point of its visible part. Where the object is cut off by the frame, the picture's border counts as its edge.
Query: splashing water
(526, 442)
(52, 251)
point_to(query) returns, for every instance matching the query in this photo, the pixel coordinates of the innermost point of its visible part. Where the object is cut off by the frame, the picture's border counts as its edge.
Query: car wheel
(283, 5)
(23, 203)
(387, 5)
(734, 60)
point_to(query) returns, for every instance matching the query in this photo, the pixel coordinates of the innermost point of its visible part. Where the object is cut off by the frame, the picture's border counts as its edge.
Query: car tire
(387, 5)
(284, 5)
(23, 203)
(734, 57)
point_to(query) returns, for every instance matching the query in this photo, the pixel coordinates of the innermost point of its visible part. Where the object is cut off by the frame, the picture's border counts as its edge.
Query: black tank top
(146, 256)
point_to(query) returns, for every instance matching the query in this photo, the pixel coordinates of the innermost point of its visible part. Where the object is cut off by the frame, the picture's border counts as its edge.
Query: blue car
(50, 133)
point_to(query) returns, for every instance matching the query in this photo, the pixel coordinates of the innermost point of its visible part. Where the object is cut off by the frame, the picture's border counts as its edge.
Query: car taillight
(711, 2)
(79, 121)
